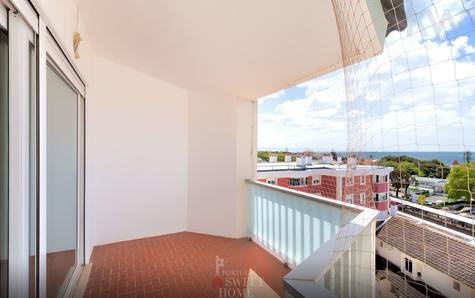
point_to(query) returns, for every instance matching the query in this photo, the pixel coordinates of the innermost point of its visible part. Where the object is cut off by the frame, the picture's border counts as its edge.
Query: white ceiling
(247, 48)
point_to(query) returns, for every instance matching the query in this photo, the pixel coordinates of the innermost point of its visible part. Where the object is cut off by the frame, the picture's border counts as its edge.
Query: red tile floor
(182, 265)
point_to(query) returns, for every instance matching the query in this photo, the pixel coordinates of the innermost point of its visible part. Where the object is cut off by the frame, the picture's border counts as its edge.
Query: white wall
(246, 154)
(60, 16)
(220, 131)
(433, 277)
(158, 159)
(212, 164)
(137, 141)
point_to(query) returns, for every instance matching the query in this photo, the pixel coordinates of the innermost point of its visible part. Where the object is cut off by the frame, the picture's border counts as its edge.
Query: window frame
(362, 201)
(301, 182)
(408, 265)
(352, 180)
(362, 179)
(351, 196)
(317, 178)
(456, 285)
(271, 181)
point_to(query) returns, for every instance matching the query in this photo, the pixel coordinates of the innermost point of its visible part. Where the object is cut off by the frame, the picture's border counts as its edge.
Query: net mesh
(410, 88)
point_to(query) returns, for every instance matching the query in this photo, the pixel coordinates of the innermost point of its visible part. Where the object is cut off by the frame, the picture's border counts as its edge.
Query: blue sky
(418, 95)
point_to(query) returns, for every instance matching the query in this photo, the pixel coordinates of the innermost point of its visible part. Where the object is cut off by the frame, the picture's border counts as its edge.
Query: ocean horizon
(447, 157)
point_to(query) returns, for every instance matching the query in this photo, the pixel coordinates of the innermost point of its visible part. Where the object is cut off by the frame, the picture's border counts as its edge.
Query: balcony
(329, 244)
(131, 131)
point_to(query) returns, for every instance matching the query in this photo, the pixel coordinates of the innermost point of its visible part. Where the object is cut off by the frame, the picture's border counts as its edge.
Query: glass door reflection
(62, 178)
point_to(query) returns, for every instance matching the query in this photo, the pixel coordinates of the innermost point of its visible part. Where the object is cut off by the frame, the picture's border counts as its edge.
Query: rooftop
(293, 166)
(439, 250)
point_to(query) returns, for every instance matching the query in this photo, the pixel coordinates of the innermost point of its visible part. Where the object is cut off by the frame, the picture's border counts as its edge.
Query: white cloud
(430, 19)
(418, 95)
(310, 121)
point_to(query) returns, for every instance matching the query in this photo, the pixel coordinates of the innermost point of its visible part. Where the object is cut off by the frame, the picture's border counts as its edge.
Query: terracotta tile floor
(181, 265)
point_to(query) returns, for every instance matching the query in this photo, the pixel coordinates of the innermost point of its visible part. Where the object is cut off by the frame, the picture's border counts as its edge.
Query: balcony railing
(329, 244)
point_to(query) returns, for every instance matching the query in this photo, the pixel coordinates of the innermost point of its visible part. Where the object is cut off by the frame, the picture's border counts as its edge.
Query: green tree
(401, 176)
(461, 182)
(421, 199)
(264, 155)
(425, 168)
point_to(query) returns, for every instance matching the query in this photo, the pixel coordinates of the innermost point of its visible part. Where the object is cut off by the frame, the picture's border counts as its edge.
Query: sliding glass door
(22, 152)
(61, 171)
(42, 110)
(62, 187)
(3, 160)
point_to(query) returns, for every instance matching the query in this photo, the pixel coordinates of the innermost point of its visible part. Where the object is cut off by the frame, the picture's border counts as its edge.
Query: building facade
(360, 184)
(429, 255)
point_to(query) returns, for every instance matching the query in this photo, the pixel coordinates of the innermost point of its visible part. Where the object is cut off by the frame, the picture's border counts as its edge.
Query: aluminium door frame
(51, 55)
(49, 51)
(19, 32)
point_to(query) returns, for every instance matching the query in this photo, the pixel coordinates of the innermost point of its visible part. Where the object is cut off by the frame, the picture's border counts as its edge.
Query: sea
(447, 157)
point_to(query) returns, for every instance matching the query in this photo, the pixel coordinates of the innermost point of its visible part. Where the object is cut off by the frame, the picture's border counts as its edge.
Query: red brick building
(361, 184)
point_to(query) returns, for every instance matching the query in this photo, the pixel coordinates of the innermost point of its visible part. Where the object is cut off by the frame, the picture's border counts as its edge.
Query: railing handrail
(332, 249)
(467, 220)
(303, 278)
(311, 197)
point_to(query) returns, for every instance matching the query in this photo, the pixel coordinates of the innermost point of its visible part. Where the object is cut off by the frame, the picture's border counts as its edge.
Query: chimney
(351, 161)
(272, 158)
(393, 209)
(301, 160)
(308, 160)
(338, 160)
(327, 159)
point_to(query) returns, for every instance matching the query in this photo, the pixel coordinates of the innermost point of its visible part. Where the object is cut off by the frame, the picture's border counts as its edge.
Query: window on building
(456, 286)
(393, 289)
(419, 274)
(296, 181)
(386, 178)
(376, 178)
(349, 180)
(362, 198)
(408, 265)
(349, 199)
(363, 179)
(376, 197)
(316, 180)
(271, 181)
